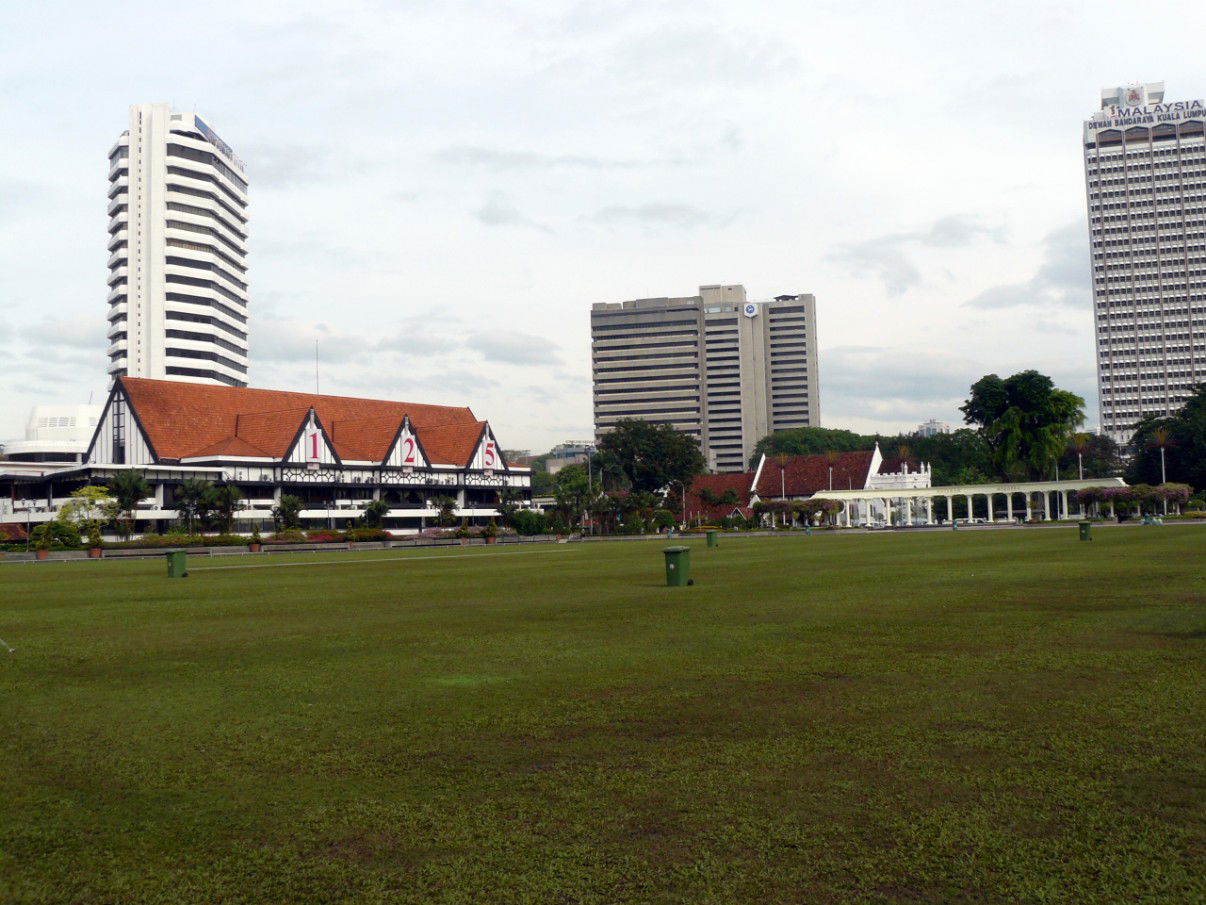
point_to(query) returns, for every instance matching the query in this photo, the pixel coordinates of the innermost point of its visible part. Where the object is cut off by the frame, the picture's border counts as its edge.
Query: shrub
(361, 535)
(325, 536)
(529, 522)
(287, 536)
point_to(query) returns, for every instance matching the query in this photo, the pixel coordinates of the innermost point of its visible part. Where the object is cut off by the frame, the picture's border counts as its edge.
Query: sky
(441, 190)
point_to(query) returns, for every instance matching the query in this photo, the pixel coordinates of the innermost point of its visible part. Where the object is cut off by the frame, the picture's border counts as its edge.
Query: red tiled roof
(187, 420)
(740, 483)
(892, 466)
(802, 476)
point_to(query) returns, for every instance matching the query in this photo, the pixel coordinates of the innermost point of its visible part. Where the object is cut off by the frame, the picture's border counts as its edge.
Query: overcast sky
(440, 191)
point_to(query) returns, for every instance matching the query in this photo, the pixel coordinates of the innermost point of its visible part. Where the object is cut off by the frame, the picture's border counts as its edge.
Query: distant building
(1145, 181)
(177, 251)
(56, 437)
(723, 369)
(572, 453)
(931, 427)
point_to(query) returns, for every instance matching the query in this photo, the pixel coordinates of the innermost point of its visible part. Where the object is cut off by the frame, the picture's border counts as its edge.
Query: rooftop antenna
(317, 392)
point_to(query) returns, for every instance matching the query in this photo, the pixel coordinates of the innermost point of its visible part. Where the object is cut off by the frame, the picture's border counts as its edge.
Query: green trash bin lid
(675, 549)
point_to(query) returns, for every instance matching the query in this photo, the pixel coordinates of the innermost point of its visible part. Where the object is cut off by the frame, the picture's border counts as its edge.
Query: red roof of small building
(188, 420)
(802, 476)
(740, 483)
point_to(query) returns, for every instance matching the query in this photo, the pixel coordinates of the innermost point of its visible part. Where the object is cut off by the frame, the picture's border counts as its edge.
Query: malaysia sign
(1115, 117)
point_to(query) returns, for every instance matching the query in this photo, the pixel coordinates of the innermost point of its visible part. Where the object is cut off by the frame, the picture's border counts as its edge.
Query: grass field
(971, 717)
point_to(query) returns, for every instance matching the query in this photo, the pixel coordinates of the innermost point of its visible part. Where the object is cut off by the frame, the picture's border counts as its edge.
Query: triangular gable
(311, 445)
(137, 447)
(487, 455)
(407, 449)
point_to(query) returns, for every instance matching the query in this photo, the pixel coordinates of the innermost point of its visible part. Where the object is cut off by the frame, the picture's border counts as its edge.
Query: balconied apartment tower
(717, 366)
(178, 251)
(1145, 180)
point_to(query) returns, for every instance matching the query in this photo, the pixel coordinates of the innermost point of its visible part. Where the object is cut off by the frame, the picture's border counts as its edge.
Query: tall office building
(178, 251)
(723, 369)
(1145, 177)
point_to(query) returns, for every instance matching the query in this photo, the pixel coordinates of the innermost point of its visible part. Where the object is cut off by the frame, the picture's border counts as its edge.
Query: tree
(375, 513)
(809, 441)
(194, 501)
(508, 505)
(446, 516)
(572, 492)
(286, 514)
(226, 499)
(1026, 421)
(650, 456)
(128, 488)
(1180, 438)
(88, 509)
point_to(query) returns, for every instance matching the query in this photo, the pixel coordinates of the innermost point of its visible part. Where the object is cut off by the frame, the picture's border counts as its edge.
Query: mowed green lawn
(976, 717)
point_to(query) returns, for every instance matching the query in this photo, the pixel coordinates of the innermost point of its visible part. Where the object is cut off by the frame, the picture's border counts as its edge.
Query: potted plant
(94, 541)
(490, 532)
(462, 534)
(43, 536)
(255, 545)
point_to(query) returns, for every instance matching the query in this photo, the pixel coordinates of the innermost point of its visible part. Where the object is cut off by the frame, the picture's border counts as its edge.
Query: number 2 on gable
(409, 445)
(489, 457)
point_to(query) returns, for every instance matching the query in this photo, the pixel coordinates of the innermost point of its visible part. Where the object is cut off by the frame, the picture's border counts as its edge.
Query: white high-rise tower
(1145, 178)
(178, 251)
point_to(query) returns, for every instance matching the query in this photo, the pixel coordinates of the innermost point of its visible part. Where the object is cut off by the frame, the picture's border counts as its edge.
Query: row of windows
(639, 329)
(184, 316)
(205, 249)
(631, 390)
(207, 265)
(212, 180)
(212, 375)
(207, 356)
(202, 300)
(205, 338)
(175, 150)
(204, 284)
(177, 207)
(221, 202)
(693, 344)
(205, 230)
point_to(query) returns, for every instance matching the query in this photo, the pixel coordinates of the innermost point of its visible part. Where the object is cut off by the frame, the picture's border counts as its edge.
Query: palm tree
(128, 488)
(1161, 440)
(447, 508)
(1080, 446)
(375, 513)
(227, 500)
(194, 500)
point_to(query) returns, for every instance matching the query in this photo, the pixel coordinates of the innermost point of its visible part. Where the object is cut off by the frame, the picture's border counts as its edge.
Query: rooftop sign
(1115, 117)
(216, 141)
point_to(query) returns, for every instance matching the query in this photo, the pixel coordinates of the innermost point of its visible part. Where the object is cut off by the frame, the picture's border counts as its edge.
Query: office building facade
(178, 251)
(1145, 179)
(717, 366)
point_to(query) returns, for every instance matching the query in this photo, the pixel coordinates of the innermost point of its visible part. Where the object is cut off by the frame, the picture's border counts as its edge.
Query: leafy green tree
(1026, 421)
(572, 492)
(809, 441)
(542, 482)
(1182, 438)
(649, 455)
(286, 514)
(87, 510)
(128, 489)
(1094, 455)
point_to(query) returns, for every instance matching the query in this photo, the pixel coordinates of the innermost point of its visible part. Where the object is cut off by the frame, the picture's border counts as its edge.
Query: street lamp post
(682, 504)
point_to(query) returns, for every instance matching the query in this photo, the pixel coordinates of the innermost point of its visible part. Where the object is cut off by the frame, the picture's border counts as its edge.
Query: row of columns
(905, 506)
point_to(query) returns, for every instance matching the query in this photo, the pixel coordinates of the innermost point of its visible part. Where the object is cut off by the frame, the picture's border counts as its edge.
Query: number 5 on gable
(489, 457)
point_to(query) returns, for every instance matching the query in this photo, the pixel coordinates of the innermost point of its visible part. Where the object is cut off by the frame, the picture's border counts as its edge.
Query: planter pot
(42, 554)
(254, 548)
(491, 540)
(94, 552)
(463, 540)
